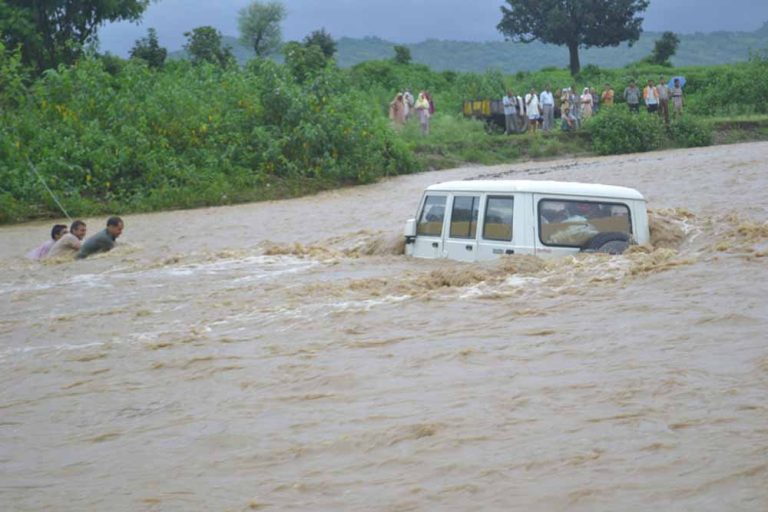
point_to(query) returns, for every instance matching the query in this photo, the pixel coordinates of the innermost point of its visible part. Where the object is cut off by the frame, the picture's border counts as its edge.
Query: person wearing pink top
(41, 252)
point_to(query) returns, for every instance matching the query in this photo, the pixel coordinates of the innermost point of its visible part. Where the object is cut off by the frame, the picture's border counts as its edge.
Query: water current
(286, 356)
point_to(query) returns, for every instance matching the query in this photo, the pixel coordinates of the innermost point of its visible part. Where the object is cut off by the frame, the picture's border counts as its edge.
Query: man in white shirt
(651, 97)
(547, 100)
(532, 109)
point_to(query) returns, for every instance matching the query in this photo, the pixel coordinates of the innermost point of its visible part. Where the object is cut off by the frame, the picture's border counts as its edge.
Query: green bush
(188, 136)
(736, 89)
(617, 131)
(690, 132)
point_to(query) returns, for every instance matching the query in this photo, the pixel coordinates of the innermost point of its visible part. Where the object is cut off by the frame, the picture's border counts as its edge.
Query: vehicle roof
(538, 187)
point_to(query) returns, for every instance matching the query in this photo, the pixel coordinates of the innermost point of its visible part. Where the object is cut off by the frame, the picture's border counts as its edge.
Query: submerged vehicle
(485, 219)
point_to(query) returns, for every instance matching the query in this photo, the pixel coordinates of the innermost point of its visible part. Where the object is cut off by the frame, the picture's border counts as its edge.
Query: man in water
(102, 241)
(70, 242)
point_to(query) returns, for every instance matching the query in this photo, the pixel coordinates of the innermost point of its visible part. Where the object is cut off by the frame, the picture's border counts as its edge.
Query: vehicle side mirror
(409, 231)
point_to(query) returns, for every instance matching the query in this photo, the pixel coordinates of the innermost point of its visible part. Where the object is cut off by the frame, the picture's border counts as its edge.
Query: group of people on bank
(69, 243)
(534, 110)
(404, 106)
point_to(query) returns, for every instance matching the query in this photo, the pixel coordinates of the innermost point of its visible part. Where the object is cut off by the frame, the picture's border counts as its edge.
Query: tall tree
(573, 23)
(304, 61)
(322, 40)
(664, 48)
(402, 54)
(204, 45)
(259, 25)
(53, 32)
(148, 49)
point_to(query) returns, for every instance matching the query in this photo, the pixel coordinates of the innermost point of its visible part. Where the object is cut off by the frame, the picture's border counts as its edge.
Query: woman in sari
(422, 108)
(586, 104)
(397, 110)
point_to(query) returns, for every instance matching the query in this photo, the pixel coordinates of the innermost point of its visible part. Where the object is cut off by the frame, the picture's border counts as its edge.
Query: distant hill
(697, 49)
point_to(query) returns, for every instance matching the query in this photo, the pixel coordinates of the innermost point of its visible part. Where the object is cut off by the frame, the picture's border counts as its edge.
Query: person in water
(103, 241)
(70, 243)
(41, 252)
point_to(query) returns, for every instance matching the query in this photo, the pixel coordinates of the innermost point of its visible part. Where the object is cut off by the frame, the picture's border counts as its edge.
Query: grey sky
(413, 21)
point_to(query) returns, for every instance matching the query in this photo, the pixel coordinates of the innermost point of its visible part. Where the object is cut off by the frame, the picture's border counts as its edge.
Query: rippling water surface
(284, 356)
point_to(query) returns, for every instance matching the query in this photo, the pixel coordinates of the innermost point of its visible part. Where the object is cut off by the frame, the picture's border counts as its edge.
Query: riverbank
(454, 142)
(113, 136)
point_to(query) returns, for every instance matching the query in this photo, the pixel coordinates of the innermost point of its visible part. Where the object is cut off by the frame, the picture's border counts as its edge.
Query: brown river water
(284, 356)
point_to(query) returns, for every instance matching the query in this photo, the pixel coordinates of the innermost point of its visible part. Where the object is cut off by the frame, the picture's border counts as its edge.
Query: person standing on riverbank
(586, 104)
(632, 97)
(595, 100)
(663, 90)
(422, 107)
(547, 100)
(607, 96)
(397, 111)
(510, 112)
(651, 97)
(532, 108)
(103, 241)
(677, 97)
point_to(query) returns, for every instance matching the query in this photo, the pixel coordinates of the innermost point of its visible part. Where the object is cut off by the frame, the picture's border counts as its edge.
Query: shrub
(617, 131)
(690, 132)
(188, 135)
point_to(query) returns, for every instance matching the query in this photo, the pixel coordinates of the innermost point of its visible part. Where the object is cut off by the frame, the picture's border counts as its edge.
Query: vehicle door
(461, 238)
(504, 218)
(429, 229)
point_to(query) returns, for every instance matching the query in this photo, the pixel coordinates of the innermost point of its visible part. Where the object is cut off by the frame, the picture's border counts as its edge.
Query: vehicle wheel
(610, 243)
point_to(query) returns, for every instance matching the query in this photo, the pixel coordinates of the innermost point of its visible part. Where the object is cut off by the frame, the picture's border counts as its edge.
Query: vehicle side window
(464, 216)
(431, 220)
(575, 223)
(498, 219)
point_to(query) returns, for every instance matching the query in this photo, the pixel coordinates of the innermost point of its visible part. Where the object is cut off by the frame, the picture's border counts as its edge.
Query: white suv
(481, 220)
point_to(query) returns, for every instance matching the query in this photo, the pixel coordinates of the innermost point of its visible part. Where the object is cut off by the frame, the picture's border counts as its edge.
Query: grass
(455, 141)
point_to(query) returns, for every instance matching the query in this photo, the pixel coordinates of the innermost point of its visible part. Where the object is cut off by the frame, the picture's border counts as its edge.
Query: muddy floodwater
(287, 356)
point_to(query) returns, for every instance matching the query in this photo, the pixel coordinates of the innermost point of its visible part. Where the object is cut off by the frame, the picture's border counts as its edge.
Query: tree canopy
(259, 25)
(149, 50)
(402, 54)
(664, 49)
(204, 44)
(322, 40)
(52, 32)
(573, 23)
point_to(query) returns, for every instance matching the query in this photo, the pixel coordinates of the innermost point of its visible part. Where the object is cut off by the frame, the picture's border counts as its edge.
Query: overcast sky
(412, 20)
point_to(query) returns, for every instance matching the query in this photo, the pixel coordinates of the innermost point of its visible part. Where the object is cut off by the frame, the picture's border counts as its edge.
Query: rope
(34, 170)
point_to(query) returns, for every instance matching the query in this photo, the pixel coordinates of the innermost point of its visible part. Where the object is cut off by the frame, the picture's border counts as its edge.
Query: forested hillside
(695, 50)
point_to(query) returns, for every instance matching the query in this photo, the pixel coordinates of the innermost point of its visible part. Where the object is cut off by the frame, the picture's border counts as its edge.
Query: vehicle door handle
(468, 247)
(510, 251)
(435, 244)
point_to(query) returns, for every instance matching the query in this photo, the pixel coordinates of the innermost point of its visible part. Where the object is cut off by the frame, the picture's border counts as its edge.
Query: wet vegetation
(117, 136)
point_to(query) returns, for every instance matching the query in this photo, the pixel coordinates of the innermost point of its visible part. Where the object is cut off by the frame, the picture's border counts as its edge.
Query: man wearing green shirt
(102, 241)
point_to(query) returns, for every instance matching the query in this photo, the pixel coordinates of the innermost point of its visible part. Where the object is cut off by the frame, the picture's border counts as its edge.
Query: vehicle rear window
(575, 223)
(498, 219)
(464, 216)
(431, 219)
